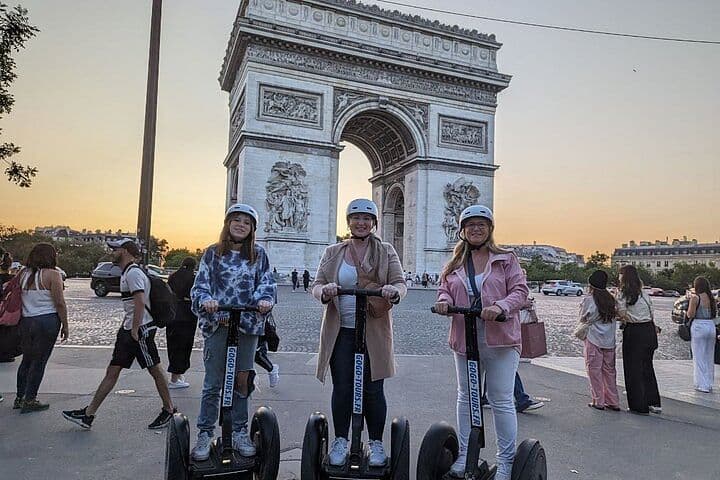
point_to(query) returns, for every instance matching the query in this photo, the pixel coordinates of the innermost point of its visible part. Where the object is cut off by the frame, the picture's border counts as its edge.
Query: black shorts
(127, 349)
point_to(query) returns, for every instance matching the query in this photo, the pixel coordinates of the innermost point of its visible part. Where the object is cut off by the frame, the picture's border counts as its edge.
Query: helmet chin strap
(355, 237)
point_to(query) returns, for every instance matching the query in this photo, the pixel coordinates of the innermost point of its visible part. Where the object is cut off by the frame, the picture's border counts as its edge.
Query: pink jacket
(503, 285)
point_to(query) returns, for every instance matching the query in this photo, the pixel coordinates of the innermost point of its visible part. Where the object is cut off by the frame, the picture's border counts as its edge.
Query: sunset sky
(600, 140)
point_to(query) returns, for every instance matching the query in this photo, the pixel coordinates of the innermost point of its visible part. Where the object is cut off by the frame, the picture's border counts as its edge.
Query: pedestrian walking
(639, 343)
(9, 334)
(294, 278)
(180, 332)
(425, 279)
(43, 316)
(702, 311)
(135, 340)
(345, 265)
(599, 311)
(306, 280)
(234, 271)
(500, 285)
(262, 359)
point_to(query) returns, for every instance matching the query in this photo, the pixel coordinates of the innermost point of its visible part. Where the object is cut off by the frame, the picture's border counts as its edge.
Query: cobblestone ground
(94, 321)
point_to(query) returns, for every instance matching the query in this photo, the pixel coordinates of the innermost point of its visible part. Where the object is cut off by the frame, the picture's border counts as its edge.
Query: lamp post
(148, 156)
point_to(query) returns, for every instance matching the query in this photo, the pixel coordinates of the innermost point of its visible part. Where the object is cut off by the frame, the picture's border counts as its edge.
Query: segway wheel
(530, 462)
(438, 451)
(266, 434)
(177, 448)
(315, 445)
(400, 449)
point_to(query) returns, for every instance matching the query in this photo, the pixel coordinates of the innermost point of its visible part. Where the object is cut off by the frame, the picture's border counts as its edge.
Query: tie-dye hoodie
(232, 280)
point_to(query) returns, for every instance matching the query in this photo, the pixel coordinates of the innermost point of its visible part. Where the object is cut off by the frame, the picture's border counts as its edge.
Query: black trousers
(180, 339)
(342, 370)
(639, 345)
(261, 355)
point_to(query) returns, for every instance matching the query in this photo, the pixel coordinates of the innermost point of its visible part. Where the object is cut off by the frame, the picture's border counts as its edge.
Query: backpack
(162, 301)
(11, 302)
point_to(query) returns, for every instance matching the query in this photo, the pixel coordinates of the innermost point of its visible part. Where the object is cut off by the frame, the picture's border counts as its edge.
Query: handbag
(11, 302)
(581, 330)
(271, 336)
(377, 306)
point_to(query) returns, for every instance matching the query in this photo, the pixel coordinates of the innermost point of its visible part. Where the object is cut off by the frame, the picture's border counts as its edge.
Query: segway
(315, 463)
(224, 462)
(439, 448)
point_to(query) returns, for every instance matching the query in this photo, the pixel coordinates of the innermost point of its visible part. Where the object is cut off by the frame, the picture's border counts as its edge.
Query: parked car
(561, 287)
(670, 293)
(654, 292)
(106, 277)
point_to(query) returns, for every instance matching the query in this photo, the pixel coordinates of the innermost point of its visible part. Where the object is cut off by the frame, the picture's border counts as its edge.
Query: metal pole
(148, 156)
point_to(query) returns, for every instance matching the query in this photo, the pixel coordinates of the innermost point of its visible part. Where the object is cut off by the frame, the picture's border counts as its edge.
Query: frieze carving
(238, 118)
(378, 76)
(290, 106)
(465, 134)
(458, 195)
(344, 99)
(287, 199)
(419, 111)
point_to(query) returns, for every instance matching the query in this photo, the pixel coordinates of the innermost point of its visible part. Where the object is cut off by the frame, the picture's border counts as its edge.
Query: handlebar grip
(471, 311)
(360, 291)
(237, 308)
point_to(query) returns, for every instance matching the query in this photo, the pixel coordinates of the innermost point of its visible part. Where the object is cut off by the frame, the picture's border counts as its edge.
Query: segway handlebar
(237, 308)
(360, 291)
(473, 312)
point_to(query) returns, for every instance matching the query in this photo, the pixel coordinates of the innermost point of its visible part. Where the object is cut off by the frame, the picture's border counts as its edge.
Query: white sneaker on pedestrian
(179, 383)
(201, 451)
(242, 444)
(654, 409)
(338, 451)
(458, 468)
(274, 376)
(377, 453)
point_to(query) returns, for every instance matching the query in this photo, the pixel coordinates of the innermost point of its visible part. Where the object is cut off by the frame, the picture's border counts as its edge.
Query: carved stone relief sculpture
(238, 118)
(290, 106)
(458, 195)
(287, 198)
(463, 133)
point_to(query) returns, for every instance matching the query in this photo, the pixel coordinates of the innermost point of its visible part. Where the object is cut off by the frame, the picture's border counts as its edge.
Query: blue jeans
(214, 352)
(37, 337)
(522, 399)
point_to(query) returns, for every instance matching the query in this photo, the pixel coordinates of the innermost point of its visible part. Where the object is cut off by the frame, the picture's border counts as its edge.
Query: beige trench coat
(378, 333)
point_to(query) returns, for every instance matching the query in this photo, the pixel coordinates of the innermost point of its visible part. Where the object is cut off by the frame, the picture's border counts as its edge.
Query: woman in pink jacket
(501, 284)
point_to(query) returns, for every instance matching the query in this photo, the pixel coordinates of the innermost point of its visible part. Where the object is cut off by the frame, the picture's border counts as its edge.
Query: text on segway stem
(358, 383)
(229, 376)
(474, 381)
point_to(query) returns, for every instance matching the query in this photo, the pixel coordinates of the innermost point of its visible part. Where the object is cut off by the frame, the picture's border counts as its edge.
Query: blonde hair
(462, 250)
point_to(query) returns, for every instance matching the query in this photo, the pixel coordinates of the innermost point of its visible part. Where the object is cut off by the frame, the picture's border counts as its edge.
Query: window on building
(666, 263)
(658, 263)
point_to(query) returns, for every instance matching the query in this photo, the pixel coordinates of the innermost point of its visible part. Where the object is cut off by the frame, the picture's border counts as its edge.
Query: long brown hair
(462, 250)
(41, 256)
(605, 304)
(702, 285)
(630, 284)
(225, 242)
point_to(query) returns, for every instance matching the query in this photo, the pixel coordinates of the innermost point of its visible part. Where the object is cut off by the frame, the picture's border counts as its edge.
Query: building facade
(417, 97)
(664, 255)
(555, 256)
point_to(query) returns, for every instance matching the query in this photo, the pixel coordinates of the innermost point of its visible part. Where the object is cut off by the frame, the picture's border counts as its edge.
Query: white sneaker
(654, 409)
(179, 383)
(242, 444)
(274, 376)
(458, 468)
(338, 451)
(377, 453)
(201, 451)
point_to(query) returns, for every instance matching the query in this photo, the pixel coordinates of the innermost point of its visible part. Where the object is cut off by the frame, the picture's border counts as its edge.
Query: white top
(37, 300)
(347, 278)
(478, 284)
(134, 280)
(640, 312)
(601, 334)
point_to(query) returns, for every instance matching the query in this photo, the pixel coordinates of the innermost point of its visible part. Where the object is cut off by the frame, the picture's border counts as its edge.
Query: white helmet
(243, 208)
(475, 211)
(362, 205)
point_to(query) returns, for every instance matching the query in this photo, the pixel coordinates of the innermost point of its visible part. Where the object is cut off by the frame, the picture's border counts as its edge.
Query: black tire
(314, 449)
(579, 293)
(177, 448)
(546, 293)
(438, 451)
(558, 293)
(530, 462)
(400, 449)
(101, 289)
(266, 434)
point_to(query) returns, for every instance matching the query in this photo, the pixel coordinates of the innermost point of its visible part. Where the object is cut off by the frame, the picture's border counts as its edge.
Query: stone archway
(418, 98)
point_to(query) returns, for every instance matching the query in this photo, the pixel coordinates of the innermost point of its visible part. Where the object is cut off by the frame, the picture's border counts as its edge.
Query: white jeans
(702, 344)
(499, 365)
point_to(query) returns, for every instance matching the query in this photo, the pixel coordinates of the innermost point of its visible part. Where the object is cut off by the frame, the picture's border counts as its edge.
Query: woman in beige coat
(379, 262)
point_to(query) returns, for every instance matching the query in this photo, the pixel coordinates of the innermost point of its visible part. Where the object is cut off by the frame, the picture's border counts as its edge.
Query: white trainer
(654, 409)
(242, 444)
(201, 451)
(377, 453)
(179, 383)
(274, 376)
(338, 451)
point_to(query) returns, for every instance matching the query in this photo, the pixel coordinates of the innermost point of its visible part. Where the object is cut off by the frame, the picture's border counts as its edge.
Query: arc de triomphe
(416, 96)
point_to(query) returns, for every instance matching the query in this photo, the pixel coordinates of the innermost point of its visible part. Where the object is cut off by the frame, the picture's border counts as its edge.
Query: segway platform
(214, 467)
